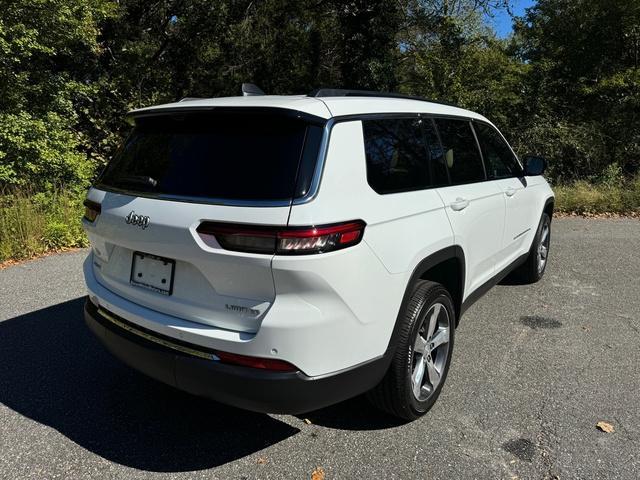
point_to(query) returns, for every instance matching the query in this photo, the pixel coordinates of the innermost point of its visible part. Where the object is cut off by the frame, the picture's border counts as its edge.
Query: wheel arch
(447, 267)
(548, 207)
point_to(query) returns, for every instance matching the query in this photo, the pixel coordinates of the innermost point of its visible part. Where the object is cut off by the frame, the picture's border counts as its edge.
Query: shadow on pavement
(514, 279)
(354, 414)
(53, 371)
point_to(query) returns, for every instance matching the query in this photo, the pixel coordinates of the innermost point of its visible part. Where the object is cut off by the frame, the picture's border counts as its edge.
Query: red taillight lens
(91, 210)
(284, 240)
(320, 239)
(255, 362)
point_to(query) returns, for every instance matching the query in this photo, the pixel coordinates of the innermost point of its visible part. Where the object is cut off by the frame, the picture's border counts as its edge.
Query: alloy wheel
(430, 352)
(543, 247)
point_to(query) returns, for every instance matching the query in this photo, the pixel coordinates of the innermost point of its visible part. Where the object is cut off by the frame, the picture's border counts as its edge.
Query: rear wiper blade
(139, 180)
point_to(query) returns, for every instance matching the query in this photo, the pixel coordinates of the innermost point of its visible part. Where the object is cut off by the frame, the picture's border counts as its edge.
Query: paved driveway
(534, 369)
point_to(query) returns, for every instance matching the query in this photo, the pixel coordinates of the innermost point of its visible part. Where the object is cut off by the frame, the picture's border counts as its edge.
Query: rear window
(402, 154)
(228, 156)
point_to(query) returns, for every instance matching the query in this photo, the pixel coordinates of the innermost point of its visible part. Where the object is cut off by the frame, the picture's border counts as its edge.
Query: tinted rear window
(233, 156)
(402, 154)
(461, 151)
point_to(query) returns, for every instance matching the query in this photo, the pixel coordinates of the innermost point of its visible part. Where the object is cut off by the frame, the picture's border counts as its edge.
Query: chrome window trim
(320, 162)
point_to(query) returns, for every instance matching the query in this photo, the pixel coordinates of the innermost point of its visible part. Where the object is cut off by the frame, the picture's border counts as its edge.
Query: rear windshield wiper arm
(139, 180)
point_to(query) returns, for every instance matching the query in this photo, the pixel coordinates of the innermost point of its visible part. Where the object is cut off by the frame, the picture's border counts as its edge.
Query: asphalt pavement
(535, 368)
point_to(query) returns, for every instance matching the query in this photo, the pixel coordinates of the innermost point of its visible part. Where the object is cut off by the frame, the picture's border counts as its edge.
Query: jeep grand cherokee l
(283, 253)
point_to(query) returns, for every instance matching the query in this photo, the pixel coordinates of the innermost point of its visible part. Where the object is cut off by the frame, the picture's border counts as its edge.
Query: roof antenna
(249, 89)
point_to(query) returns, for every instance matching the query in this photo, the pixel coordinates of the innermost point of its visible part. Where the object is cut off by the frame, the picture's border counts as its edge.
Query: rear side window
(499, 160)
(461, 151)
(402, 154)
(234, 156)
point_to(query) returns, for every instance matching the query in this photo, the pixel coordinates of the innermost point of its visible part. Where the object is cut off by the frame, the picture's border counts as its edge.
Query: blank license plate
(153, 272)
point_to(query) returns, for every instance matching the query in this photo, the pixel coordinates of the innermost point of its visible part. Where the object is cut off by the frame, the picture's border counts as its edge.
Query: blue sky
(502, 21)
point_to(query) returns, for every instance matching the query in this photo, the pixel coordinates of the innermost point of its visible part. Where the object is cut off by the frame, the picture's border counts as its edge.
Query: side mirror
(534, 165)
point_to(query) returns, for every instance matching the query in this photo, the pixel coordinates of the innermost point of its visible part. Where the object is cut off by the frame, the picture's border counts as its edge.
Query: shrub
(40, 153)
(610, 195)
(35, 224)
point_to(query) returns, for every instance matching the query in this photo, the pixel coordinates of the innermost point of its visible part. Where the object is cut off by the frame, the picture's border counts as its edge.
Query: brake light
(91, 210)
(283, 240)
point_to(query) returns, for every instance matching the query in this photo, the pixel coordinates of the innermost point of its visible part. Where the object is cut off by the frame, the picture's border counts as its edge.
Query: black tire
(531, 271)
(395, 394)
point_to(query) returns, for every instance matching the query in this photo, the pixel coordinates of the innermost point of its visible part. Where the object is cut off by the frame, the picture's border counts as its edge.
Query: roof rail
(341, 92)
(189, 99)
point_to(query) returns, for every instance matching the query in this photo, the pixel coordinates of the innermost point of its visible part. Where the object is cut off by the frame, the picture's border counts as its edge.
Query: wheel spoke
(545, 234)
(433, 320)
(417, 377)
(434, 375)
(440, 338)
(420, 345)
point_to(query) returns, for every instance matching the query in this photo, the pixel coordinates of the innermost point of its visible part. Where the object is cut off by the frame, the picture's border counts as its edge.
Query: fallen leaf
(318, 474)
(307, 421)
(605, 427)
(261, 461)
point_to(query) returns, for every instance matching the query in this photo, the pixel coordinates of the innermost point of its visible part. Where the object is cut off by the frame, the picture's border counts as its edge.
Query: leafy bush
(40, 152)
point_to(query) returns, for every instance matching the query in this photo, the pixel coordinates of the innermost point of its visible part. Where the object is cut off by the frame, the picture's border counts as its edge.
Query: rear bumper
(243, 387)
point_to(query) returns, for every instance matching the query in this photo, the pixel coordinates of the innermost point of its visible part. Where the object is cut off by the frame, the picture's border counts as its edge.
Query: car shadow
(354, 414)
(55, 372)
(514, 279)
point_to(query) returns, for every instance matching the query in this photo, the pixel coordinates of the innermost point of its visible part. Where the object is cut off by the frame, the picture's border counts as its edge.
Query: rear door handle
(510, 192)
(459, 204)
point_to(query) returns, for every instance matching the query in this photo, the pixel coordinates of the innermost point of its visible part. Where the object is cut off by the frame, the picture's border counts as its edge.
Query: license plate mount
(152, 272)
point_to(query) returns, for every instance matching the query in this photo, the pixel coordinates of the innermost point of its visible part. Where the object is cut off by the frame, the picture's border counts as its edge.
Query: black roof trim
(341, 92)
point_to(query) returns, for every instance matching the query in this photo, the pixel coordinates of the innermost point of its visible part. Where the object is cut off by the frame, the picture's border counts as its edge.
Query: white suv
(283, 253)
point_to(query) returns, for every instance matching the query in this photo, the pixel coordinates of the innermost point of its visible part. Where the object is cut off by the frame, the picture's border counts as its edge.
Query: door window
(499, 160)
(461, 151)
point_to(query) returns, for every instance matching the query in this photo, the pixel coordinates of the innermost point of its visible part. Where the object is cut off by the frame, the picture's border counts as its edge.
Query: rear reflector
(91, 210)
(255, 362)
(284, 240)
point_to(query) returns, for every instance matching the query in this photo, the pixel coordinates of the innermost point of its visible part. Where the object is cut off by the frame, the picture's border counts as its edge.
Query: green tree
(584, 83)
(48, 49)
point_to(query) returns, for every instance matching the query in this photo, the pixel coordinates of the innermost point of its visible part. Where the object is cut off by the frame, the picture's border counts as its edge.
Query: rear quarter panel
(402, 229)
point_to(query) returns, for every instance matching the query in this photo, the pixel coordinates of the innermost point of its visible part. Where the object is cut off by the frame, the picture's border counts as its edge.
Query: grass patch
(32, 225)
(583, 197)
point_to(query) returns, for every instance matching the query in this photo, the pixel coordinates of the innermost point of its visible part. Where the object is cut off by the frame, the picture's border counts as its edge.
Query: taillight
(283, 240)
(320, 239)
(91, 210)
